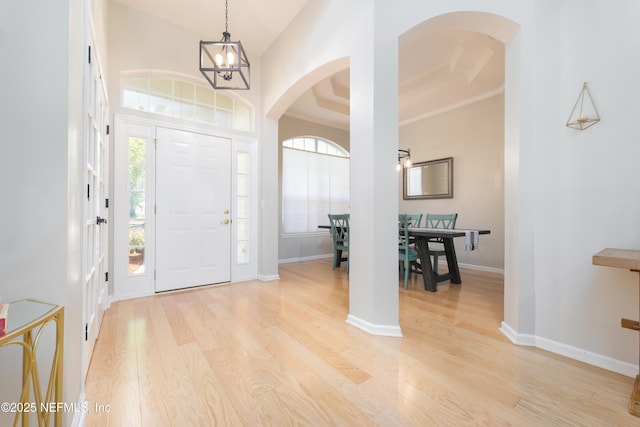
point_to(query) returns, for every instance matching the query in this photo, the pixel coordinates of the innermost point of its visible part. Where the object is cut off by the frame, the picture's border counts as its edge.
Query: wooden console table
(630, 259)
(27, 320)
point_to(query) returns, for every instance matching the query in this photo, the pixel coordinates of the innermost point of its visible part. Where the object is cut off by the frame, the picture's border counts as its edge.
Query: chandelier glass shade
(404, 159)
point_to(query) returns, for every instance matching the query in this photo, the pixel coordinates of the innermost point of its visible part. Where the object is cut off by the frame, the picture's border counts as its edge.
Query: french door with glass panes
(96, 153)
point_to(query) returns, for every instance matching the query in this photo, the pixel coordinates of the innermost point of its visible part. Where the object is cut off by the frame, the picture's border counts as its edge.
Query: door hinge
(106, 276)
(86, 332)
(88, 191)
(106, 203)
(154, 274)
(89, 55)
(107, 129)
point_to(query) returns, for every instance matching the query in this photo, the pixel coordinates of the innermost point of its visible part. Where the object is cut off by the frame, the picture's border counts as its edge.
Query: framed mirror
(429, 180)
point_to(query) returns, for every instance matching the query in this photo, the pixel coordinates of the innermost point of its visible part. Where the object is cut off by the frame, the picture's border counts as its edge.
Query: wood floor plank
(281, 353)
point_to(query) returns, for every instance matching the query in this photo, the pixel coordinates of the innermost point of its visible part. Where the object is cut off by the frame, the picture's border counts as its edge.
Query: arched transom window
(179, 97)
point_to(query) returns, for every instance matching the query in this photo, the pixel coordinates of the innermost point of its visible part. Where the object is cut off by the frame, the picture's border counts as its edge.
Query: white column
(268, 207)
(373, 280)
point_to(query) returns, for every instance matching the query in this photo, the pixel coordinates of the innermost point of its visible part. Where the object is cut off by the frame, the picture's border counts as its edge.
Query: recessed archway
(516, 314)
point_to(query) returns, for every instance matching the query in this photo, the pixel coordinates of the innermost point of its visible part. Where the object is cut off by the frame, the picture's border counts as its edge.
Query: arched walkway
(376, 130)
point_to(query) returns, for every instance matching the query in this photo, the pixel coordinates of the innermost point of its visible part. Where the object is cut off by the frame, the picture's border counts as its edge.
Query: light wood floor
(280, 354)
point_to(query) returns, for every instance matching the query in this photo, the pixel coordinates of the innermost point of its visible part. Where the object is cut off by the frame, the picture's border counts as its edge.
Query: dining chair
(439, 221)
(407, 253)
(340, 234)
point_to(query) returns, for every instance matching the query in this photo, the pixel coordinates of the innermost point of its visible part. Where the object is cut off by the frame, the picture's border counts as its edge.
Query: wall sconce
(404, 158)
(584, 114)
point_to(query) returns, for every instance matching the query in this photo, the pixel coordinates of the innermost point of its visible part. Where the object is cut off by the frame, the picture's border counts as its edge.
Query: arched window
(184, 98)
(315, 182)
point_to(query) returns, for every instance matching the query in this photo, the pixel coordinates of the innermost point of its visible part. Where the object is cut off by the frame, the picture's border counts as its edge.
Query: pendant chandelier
(224, 63)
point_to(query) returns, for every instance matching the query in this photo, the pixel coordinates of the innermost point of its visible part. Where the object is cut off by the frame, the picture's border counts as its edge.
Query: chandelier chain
(226, 16)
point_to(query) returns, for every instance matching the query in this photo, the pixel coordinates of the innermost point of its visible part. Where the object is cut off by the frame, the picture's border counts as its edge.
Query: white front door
(193, 204)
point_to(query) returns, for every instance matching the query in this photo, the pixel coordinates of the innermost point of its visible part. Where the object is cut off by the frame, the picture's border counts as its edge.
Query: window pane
(310, 144)
(204, 95)
(204, 114)
(243, 163)
(242, 118)
(137, 189)
(243, 252)
(160, 105)
(242, 208)
(136, 248)
(135, 100)
(322, 147)
(313, 185)
(224, 101)
(186, 110)
(139, 84)
(184, 91)
(223, 118)
(161, 86)
(243, 185)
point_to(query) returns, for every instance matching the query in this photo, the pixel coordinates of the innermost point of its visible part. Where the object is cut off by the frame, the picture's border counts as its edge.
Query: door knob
(226, 221)
(226, 211)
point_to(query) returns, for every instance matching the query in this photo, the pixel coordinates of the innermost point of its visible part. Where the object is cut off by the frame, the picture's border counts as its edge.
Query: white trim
(454, 106)
(575, 353)
(383, 330)
(304, 258)
(476, 267)
(326, 233)
(518, 339)
(80, 415)
(317, 120)
(268, 277)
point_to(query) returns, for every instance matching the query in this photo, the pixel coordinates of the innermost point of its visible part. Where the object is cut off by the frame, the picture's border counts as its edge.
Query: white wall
(477, 148)
(138, 41)
(587, 183)
(567, 193)
(42, 171)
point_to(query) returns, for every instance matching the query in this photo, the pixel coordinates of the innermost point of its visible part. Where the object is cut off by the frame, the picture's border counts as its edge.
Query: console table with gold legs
(27, 320)
(629, 259)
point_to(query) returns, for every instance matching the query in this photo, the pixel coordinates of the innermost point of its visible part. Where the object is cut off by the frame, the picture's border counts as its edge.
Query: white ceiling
(438, 71)
(256, 23)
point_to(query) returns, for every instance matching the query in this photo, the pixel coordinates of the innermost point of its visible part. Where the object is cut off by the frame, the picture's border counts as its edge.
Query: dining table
(424, 236)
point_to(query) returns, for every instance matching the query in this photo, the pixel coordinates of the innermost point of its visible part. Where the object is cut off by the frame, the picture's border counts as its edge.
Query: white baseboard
(514, 337)
(306, 258)
(595, 359)
(268, 277)
(384, 330)
(79, 416)
(476, 267)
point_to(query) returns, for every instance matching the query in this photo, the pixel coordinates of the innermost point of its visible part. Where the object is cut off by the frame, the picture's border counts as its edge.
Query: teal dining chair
(340, 234)
(407, 253)
(439, 221)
